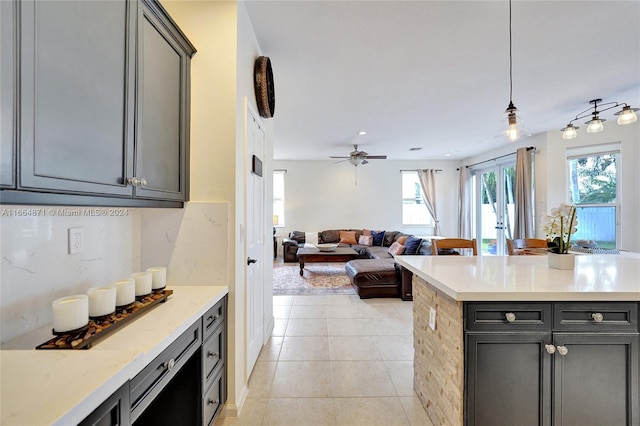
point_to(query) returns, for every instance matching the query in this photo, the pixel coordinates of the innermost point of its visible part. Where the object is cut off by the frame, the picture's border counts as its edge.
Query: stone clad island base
(438, 355)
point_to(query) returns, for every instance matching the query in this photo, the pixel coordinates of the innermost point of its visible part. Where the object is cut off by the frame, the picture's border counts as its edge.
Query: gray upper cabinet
(162, 138)
(7, 92)
(77, 95)
(102, 104)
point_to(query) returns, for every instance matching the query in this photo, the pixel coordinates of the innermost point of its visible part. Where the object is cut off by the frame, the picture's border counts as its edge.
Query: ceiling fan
(359, 157)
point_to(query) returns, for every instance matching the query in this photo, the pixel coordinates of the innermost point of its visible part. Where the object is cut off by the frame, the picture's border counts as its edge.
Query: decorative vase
(561, 260)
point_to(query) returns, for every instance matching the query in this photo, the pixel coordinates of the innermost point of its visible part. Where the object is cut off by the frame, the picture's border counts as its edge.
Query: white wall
(322, 195)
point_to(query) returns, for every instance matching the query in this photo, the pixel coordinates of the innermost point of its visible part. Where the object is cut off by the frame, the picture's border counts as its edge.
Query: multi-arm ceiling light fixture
(626, 115)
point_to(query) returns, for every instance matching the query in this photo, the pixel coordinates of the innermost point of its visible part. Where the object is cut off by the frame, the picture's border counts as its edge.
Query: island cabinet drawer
(214, 317)
(508, 316)
(146, 386)
(597, 316)
(213, 398)
(212, 353)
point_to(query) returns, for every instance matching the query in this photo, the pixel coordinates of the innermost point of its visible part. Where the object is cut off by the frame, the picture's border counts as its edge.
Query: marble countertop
(61, 387)
(605, 277)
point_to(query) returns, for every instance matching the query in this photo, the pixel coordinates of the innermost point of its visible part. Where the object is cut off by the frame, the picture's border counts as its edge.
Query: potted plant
(558, 225)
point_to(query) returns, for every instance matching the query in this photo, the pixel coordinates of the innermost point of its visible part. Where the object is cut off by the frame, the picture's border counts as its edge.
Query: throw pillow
(396, 249)
(348, 237)
(378, 238)
(366, 232)
(402, 239)
(412, 245)
(365, 240)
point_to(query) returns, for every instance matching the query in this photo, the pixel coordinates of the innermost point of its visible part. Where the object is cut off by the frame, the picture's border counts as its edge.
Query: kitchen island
(508, 340)
(62, 387)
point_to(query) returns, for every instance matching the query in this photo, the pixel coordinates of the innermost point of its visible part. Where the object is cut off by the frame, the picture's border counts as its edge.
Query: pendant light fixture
(626, 115)
(514, 122)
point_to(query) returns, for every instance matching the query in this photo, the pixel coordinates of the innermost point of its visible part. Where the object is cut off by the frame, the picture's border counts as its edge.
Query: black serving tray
(99, 329)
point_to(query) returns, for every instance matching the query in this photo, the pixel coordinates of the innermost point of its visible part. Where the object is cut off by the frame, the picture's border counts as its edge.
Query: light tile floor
(335, 360)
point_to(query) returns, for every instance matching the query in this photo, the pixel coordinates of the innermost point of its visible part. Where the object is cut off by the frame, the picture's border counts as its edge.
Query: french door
(495, 203)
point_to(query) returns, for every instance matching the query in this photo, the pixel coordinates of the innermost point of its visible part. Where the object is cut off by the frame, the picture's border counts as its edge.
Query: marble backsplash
(35, 267)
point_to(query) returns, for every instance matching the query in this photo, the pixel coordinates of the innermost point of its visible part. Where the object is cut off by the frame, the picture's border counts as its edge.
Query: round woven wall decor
(264, 87)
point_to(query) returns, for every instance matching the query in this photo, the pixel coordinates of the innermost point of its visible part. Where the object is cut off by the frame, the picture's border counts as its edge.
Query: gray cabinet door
(508, 379)
(163, 107)
(8, 93)
(77, 95)
(596, 382)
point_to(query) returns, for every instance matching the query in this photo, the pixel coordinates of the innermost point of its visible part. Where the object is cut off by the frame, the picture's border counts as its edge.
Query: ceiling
(435, 74)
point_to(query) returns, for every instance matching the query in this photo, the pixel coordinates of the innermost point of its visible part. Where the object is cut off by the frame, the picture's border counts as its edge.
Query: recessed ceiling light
(415, 149)
(447, 155)
(362, 133)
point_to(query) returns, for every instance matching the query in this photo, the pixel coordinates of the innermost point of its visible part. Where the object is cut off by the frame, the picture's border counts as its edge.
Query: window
(278, 198)
(593, 189)
(414, 211)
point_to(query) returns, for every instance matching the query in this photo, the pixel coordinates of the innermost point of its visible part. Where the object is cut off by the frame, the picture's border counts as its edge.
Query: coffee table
(313, 255)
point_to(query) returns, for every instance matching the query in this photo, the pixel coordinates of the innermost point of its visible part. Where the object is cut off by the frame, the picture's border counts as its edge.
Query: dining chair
(526, 246)
(453, 243)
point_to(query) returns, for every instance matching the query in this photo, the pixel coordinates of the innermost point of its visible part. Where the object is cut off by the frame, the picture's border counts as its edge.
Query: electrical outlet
(432, 319)
(76, 240)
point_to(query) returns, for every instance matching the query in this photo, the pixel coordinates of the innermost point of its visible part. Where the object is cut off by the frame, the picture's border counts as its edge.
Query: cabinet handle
(169, 364)
(213, 317)
(133, 181)
(510, 316)
(550, 349)
(211, 354)
(562, 350)
(211, 401)
(597, 317)
(143, 182)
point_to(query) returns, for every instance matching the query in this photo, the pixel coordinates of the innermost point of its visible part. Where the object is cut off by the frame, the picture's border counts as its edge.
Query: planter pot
(561, 261)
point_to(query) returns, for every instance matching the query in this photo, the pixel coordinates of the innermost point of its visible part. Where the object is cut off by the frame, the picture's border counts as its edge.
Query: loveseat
(374, 272)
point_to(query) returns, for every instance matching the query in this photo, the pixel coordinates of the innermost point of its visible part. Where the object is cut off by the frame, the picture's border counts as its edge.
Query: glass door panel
(495, 208)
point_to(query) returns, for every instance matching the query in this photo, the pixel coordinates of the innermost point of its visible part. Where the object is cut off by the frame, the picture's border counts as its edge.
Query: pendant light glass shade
(570, 132)
(627, 115)
(595, 125)
(514, 123)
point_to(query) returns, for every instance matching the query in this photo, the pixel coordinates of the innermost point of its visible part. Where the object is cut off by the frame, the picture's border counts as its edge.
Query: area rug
(318, 278)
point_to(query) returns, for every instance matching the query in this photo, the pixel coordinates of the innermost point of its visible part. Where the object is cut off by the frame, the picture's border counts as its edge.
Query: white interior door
(255, 237)
(495, 202)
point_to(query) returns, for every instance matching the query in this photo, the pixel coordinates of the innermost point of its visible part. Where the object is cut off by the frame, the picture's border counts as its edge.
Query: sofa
(374, 272)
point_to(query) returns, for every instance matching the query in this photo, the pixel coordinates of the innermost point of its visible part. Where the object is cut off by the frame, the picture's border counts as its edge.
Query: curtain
(464, 204)
(523, 221)
(427, 179)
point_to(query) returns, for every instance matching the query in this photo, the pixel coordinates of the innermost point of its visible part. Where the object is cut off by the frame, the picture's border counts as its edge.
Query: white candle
(158, 277)
(143, 283)
(70, 313)
(125, 291)
(102, 301)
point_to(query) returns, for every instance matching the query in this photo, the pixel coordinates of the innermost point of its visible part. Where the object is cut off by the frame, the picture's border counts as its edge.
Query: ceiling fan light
(354, 161)
(569, 132)
(595, 125)
(627, 115)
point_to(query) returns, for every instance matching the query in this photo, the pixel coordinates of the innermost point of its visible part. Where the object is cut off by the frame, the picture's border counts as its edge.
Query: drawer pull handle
(562, 350)
(213, 317)
(211, 401)
(510, 316)
(212, 354)
(169, 364)
(597, 317)
(550, 349)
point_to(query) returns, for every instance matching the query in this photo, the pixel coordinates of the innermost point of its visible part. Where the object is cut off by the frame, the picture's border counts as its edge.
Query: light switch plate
(432, 319)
